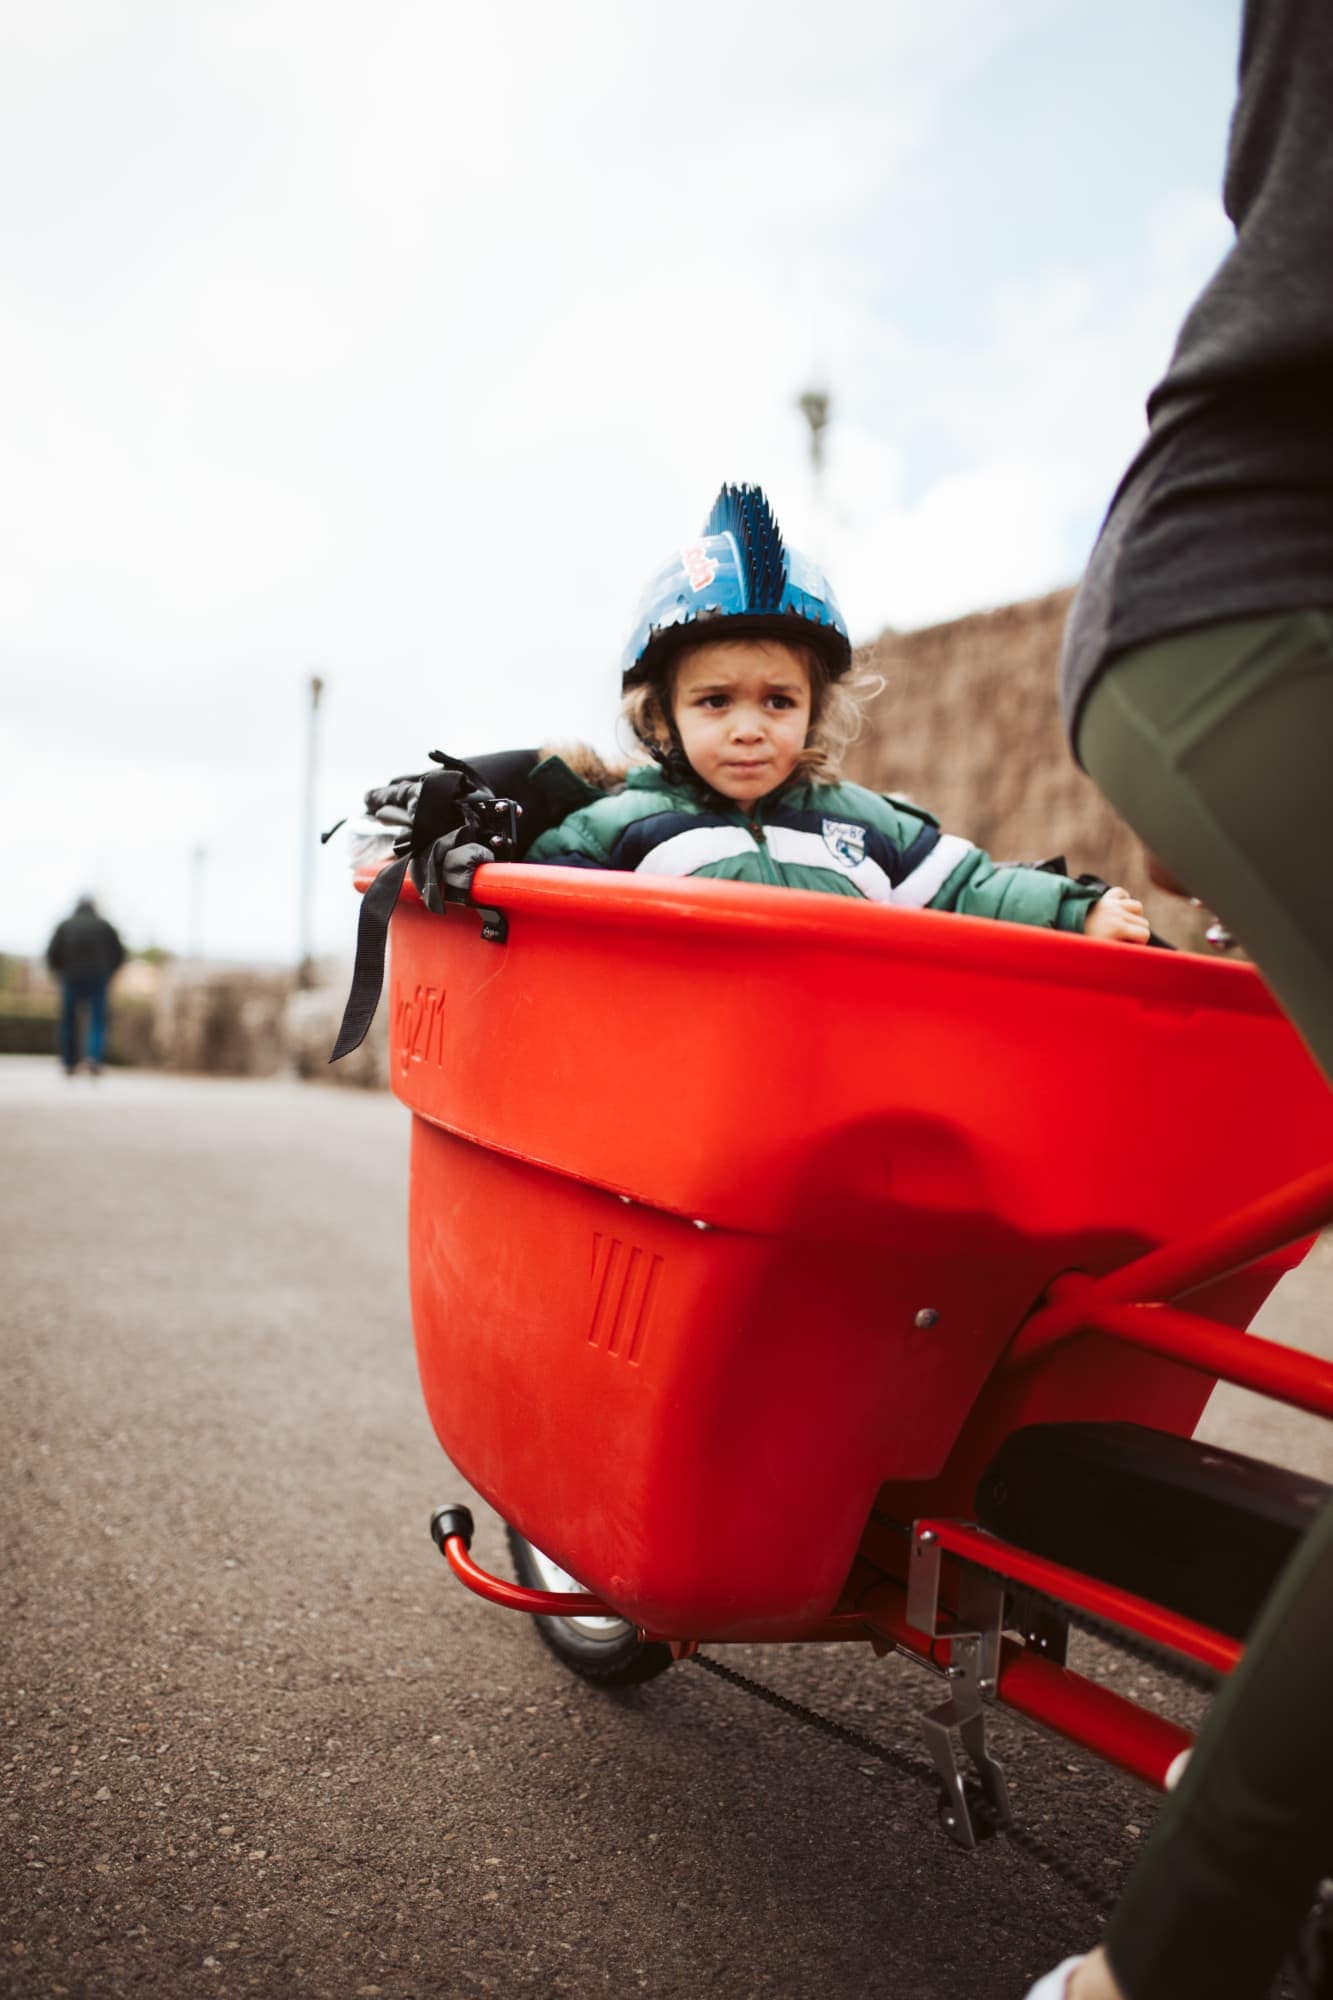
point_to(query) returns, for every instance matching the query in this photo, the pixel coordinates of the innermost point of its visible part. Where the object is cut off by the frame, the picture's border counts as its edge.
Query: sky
(397, 345)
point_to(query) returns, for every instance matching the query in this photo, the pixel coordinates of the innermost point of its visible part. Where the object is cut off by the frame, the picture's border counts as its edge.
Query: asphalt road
(256, 1741)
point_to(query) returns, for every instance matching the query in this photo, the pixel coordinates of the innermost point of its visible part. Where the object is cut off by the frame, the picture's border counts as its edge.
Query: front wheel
(606, 1650)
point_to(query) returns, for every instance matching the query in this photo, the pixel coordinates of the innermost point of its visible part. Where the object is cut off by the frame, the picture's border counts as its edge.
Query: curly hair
(836, 709)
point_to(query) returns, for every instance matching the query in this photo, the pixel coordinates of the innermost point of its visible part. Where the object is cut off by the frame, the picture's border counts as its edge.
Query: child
(738, 685)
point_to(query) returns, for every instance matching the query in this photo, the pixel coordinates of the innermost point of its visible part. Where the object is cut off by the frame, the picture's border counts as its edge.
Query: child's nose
(745, 723)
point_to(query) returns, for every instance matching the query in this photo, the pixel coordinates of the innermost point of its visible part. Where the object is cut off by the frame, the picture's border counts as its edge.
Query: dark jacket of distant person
(85, 947)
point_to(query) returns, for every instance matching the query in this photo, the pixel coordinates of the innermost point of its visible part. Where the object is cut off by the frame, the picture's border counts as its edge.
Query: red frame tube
(1086, 1593)
(1124, 1734)
(1132, 1738)
(1300, 1209)
(1105, 1723)
(1285, 1373)
(514, 1596)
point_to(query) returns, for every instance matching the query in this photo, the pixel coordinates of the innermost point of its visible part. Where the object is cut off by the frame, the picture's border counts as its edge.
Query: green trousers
(1217, 747)
(1218, 1895)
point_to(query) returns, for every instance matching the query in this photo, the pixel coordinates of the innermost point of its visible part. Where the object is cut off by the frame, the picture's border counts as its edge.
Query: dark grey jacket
(1227, 512)
(85, 946)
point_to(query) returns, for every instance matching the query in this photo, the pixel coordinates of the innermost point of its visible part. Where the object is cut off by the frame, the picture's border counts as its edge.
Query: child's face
(742, 707)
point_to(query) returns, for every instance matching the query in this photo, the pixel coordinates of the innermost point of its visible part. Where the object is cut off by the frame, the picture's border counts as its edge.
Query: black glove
(452, 822)
(443, 874)
(397, 801)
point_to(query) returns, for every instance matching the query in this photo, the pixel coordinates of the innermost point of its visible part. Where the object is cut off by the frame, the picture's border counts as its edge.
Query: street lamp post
(814, 404)
(304, 961)
(194, 943)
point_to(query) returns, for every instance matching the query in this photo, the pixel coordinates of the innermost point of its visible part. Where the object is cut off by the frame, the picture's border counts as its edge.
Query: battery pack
(1198, 1529)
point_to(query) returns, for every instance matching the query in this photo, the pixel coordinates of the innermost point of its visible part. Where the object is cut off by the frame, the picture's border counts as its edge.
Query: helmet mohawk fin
(744, 513)
(737, 578)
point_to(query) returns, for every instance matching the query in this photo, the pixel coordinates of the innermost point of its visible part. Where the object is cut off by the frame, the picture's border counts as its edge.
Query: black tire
(608, 1651)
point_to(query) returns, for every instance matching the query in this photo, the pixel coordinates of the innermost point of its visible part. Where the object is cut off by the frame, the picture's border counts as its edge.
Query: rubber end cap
(446, 1521)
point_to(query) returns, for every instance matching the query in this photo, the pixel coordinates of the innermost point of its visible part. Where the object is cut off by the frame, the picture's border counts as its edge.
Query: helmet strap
(670, 758)
(675, 766)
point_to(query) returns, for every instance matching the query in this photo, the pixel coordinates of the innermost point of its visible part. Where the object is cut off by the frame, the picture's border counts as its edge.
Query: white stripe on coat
(700, 847)
(686, 853)
(810, 850)
(928, 879)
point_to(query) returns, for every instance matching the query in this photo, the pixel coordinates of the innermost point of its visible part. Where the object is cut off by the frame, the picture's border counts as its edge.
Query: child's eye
(715, 701)
(782, 701)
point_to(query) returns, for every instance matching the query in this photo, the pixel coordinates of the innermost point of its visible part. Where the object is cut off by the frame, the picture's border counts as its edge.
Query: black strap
(440, 810)
(372, 936)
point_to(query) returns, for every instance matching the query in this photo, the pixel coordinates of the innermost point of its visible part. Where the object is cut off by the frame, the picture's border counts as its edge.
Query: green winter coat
(839, 839)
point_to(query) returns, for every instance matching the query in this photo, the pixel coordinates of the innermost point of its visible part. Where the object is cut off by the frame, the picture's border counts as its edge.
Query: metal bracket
(1044, 1630)
(499, 830)
(494, 923)
(494, 824)
(964, 1711)
(923, 1581)
(972, 1673)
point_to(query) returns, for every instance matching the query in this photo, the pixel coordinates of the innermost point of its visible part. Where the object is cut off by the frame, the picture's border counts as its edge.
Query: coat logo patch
(845, 841)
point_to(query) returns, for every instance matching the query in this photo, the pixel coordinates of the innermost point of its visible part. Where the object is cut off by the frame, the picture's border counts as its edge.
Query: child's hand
(1117, 916)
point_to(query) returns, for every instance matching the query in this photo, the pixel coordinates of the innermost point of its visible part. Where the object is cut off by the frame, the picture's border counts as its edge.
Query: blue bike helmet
(738, 578)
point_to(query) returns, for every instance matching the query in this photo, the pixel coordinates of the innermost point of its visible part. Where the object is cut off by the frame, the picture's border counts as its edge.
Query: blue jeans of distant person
(77, 995)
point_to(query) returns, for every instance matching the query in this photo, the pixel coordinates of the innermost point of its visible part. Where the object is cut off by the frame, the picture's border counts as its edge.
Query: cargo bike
(787, 1269)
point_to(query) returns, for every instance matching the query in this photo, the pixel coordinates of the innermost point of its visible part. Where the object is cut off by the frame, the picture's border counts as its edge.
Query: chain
(1310, 1966)
(1191, 1673)
(1093, 1892)
(919, 1768)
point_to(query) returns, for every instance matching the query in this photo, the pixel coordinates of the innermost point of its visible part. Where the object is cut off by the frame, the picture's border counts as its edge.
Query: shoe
(1051, 1986)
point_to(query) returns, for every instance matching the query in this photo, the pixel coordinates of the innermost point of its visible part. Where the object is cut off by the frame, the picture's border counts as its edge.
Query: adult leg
(1214, 745)
(69, 1027)
(1239, 1848)
(96, 1022)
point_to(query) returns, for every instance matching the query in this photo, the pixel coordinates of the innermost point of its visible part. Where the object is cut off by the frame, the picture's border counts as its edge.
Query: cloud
(399, 348)
(1033, 414)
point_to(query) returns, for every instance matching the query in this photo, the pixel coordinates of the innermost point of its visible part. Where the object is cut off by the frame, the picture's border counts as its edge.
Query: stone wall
(250, 1023)
(969, 725)
(219, 1023)
(311, 1025)
(201, 1019)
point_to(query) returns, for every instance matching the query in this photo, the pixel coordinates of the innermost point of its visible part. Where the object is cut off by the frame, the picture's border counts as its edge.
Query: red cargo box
(694, 1163)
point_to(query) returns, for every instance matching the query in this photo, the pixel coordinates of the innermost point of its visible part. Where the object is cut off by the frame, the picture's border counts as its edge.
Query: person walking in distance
(85, 953)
